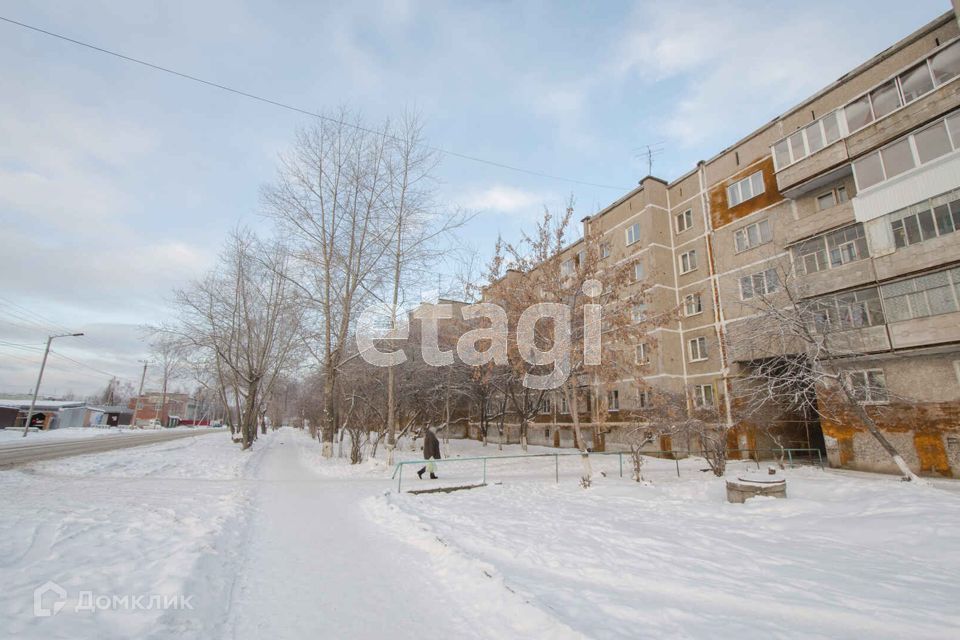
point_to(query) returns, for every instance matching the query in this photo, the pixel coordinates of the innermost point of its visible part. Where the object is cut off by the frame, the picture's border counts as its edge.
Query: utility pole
(36, 389)
(136, 405)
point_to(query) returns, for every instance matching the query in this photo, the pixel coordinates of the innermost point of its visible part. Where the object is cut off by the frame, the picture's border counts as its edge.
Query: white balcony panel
(924, 182)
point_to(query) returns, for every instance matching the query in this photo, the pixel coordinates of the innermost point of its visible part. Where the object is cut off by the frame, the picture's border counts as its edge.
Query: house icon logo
(54, 594)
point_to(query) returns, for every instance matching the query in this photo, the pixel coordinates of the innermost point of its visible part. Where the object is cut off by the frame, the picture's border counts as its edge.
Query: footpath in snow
(280, 543)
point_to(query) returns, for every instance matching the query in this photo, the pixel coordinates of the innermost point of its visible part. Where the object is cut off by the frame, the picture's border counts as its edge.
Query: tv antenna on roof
(650, 151)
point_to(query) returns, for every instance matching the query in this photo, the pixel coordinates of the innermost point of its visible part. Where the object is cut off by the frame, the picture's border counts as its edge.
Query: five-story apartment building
(857, 189)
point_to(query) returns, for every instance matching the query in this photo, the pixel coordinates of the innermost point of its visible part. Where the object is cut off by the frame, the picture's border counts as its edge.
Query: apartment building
(858, 190)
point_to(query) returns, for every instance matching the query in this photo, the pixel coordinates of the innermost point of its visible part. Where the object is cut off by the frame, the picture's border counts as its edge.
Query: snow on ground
(843, 557)
(280, 543)
(15, 436)
(131, 522)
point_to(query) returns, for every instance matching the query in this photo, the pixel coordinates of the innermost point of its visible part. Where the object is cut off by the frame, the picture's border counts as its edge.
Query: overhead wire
(289, 107)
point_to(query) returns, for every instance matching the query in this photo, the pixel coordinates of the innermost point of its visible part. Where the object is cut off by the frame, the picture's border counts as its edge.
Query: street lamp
(43, 364)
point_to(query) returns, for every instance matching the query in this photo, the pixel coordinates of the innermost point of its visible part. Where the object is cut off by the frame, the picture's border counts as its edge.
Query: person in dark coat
(431, 452)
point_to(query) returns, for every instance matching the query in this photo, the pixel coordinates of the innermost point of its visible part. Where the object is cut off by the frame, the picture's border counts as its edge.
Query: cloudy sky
(118, 183)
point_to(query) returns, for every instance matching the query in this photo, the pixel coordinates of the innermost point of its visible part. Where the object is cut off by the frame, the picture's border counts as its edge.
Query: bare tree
(541, 268)
(328, 199)
(167, 356)
(416, 226)
(245, 317)
(796, 349)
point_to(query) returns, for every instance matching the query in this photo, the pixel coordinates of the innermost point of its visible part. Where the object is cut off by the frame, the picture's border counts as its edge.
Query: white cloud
(505, 199)
(731, 62)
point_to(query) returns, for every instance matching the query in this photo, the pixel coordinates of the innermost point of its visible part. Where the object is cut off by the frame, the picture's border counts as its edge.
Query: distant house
(108, 416)
(47, 414)
(151, 406)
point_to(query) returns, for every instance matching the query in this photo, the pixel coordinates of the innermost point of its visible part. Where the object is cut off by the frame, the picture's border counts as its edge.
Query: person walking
(431, 452)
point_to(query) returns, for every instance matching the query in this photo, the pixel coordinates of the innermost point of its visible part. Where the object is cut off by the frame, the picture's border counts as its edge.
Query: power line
(33, 313)
(85, 365)
(307, 112)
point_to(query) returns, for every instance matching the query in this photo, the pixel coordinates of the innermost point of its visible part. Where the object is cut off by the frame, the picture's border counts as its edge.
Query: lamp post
(36, 390)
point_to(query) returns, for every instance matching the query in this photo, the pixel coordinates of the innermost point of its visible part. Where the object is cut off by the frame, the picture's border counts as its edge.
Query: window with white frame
(904, 88)
(633, 233)
(688, 261)
(743, 190)
(697, 349)
(831, 250)
(868, 386)
(918, 80)
(831, 198)
(684, 220)
(759, 284)
(692, 304)
(752, 235)
(567, 267)
(924, 221)
(808, 140)
(639, 273)
(640, 355)
(604, 250)
(613, 400)
(931, 294)
(916, 149)
(848, 310)
(563, 404)
(703, 396)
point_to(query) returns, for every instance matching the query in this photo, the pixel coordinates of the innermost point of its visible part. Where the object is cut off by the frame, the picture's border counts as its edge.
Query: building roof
(42, 405)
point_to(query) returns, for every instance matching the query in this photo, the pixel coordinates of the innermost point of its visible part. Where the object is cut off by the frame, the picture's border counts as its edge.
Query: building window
(935, 217)
(945, 64)
(697, 349)
(567, 267)
(639, 273)
(743, 190)
(752, 235)
(759, 284)
(928, 295)
(638, 313)
(831, 198)
(604, 250)
(640, 357)
(930, 143)
(903, 89)
(688, 261)
(830, 250)
(644, 401)
(703, 396)
(868, 386)
(850, 310)
(613, 400)
(564, 409)
(633, 233)
(692, 304)
(810, 139)
(684, 220)
(546, 406)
